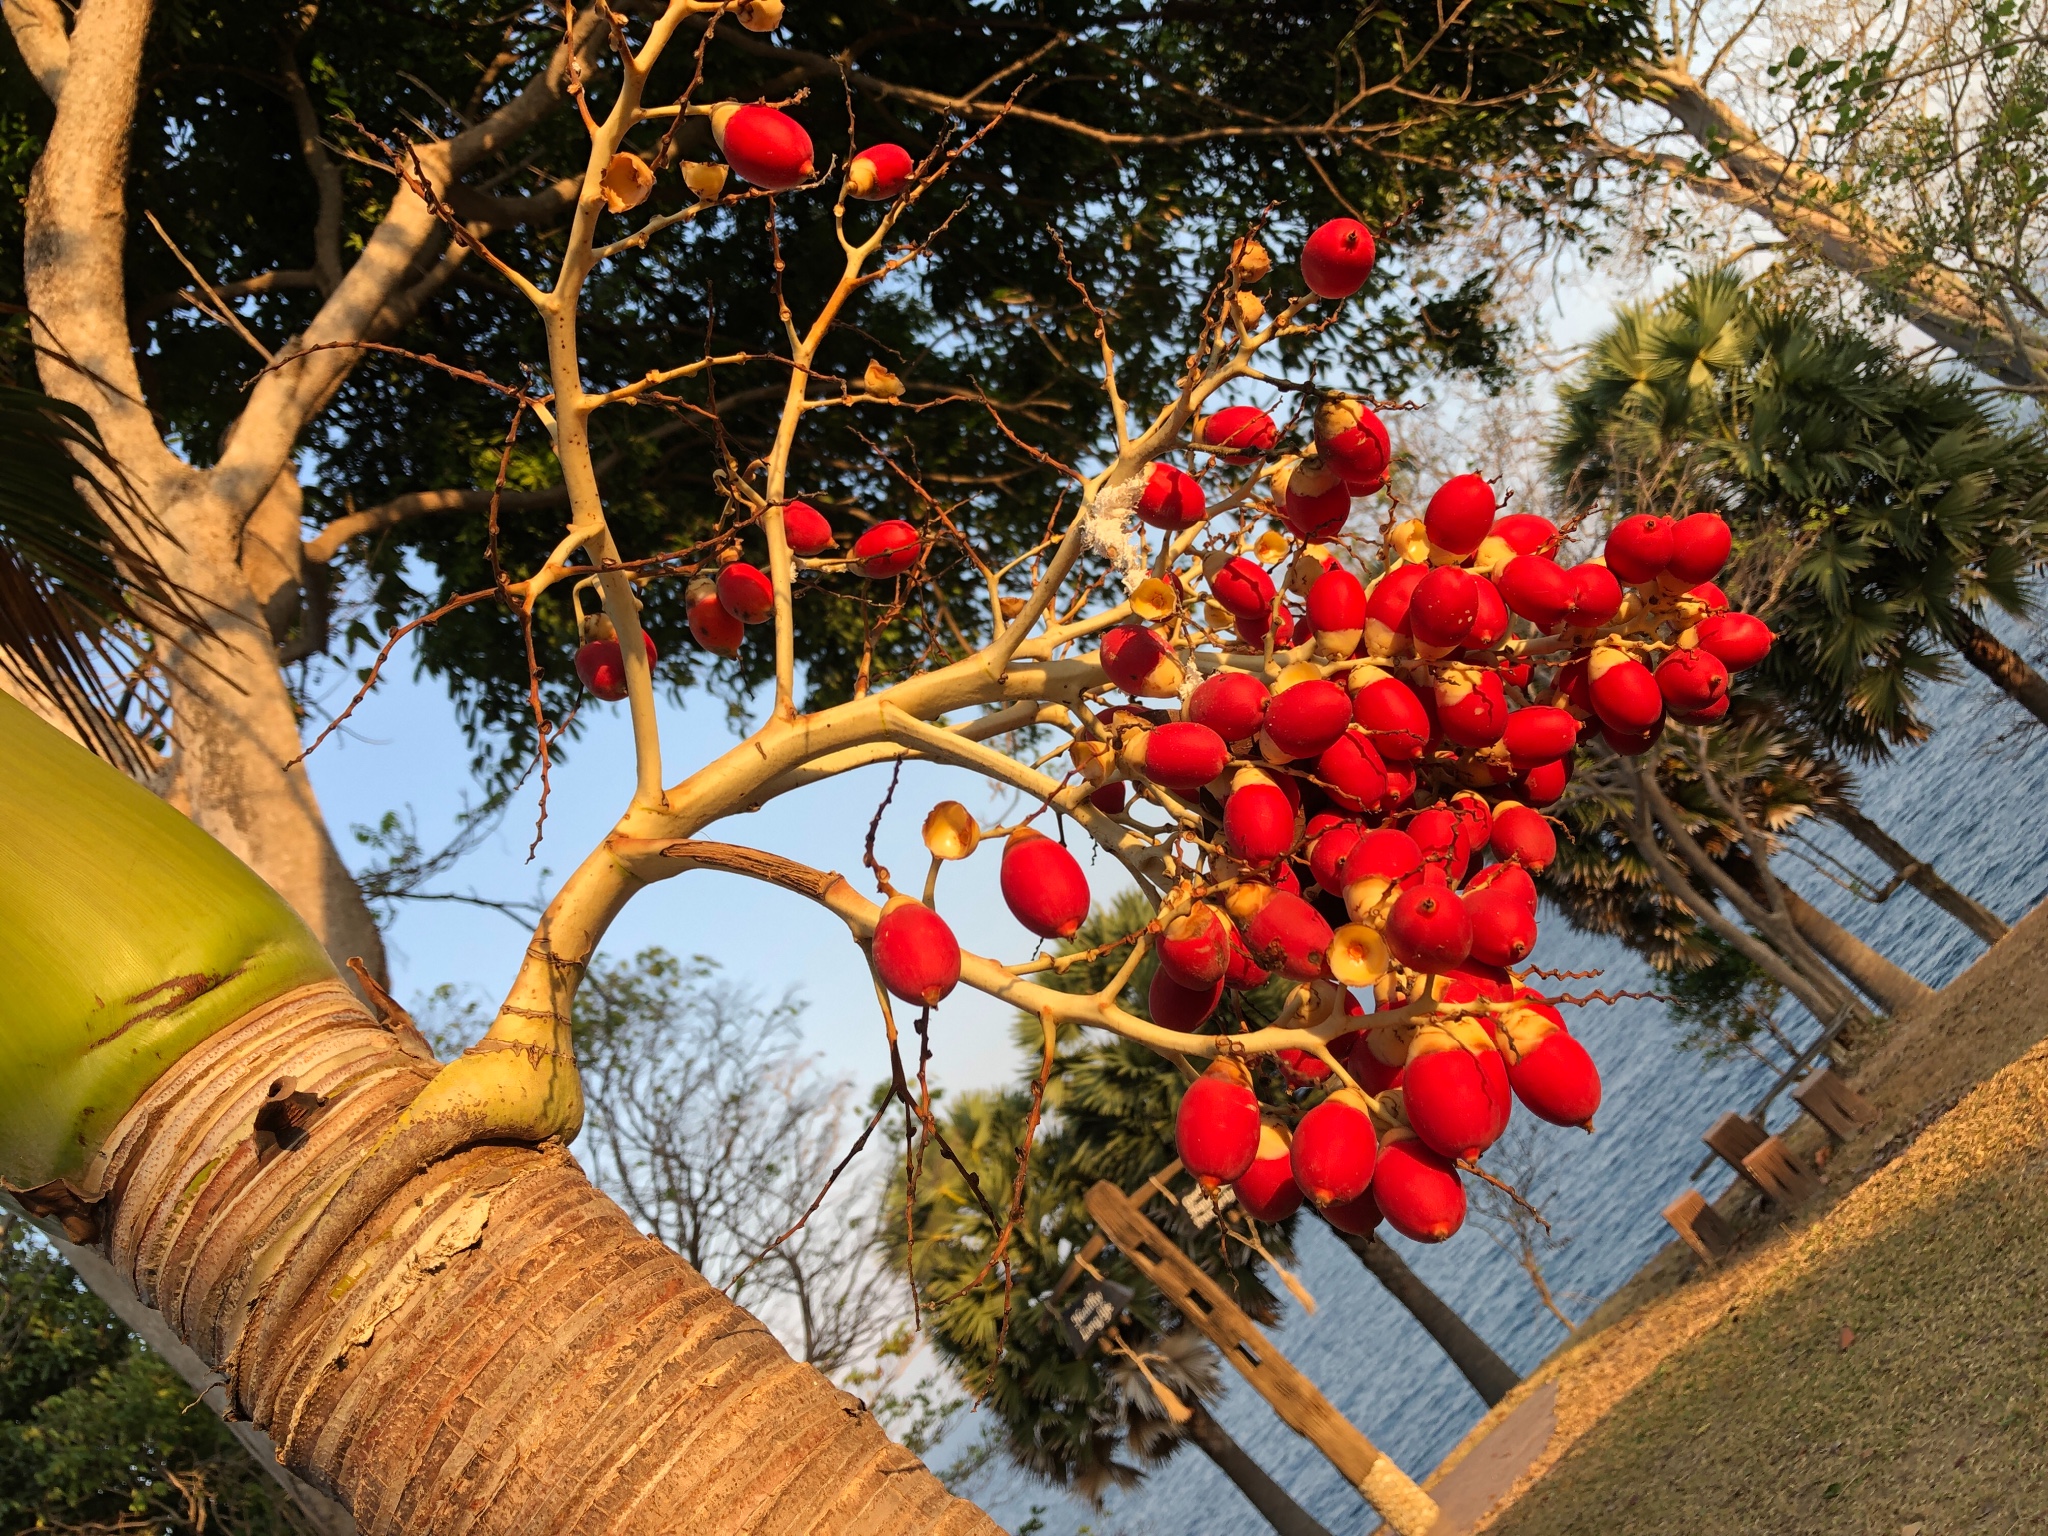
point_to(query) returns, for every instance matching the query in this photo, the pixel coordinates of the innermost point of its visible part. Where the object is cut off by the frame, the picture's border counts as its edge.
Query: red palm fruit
(1526, 533)
(1472, 712)
(879, 172)
(1460, 514)
(1631, 743)
(1354, 442)
(1718, 710)
(1550, 1072)
(602, 665)
(1475, 822)
(745, 592)
(885, 550)
(1267, 1190)
(1443, 607)
(1216, 1128)
(1358, 1217)
(767, 147)
(1289, 936)
(1367, 1060)
(1172, 498)
(1624, 692)
(1570, 686)
(1711, 597)
(1329, 849)
(1385, 853)
(1539, 734)
(1240, 433)
(1535, 587)
(1111, 797)
(1639, 548)
(1545, 783)
(1523, 836)
(804, 526)
(1455, 1087)
(1314, 501)
(915, 952)
(1400, 789)
(1389, 600)
(1596, 596)
(1140, 663)
(1182, 755)
(1308, 718)
(711, 625)
(1418, 1191)
(1301, 1069)
(1043, 884)
(1394, 718)
(1428, 928)
(1334, 1149)
(1337, 259)
(1503, 927)
(1692, 680)
(1512, 878)
(1436, 833)
(1336, 610)
(1741, 640)
(1244, 973)
(1243, 587)
(1174, 1006)
(1490, 622)
(1232, 704)
(1258, 824)
(1194, 948)
(1352, 771)
(1470, 980)
(1699, 547)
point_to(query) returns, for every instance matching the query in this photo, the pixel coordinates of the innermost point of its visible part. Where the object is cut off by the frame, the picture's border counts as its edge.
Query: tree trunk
(493, 1348)
(1491, 1377)
(1267, 1497)
(2003, 665)
(1975, 916)
(1889, 986)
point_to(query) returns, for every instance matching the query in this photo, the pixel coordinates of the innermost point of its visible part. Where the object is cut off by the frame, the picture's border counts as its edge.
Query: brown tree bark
(2003, 665)
(1267, 1497)
(491, 1348)
(1890, 986)
(1972, 914)
(1491, 1377)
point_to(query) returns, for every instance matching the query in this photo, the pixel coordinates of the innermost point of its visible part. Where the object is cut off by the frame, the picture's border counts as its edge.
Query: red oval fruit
(1232, 704)
(1239, 433)
(1741, 640)
(1353, 772)
(1436, 833)
(1443, 607)
(885, 550)
(1184, 755)
(1336, 610)
(1289, 936)
(1699, 547)
(1455, 1087)
(1503, 927)
(1596, 596)
(1624, 693)
(1718, 710)
(879, 172)
(1386, 853)
(767, 147)
(1550, 1071)
(1329, 850)
(1267, 1190)
(1354, 442)
(1216, 1128)
(1512, 878)
(1388, 601)
(1194, 948)
(1490, 621)
(1314, 501)
(1334, 1149)
(1111, 797)
(1140, 663)
(1172, 498)
(1418, 1191)
(804, 526)
(1043, 884)
(1308, 718)
(1258, 824)
(1244, 973)
(1174, 1006)
(1368, 1060)
(745, 592)
(1400, 788)
(1475, 822)
(1631, 743)
(1639, 548)
(1243, 587)
(1460, 514)
(1536, 588)
(915, 952)
(1394, 718)
(1337, 259)
(602, 665)
(1526, 533)
(1428, 928)
(1539, 734)
(1710, 597)
(1472, 713)
(1692, 680)
(1523, 836)
(1545, 783)
(1358, 1217)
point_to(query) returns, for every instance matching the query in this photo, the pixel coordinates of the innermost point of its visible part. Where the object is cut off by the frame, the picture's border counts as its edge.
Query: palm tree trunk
(1491, 1377)
(494, 1348)
(2003, 665)
(1891, 987)
(1975, 916)
(1267, 1497)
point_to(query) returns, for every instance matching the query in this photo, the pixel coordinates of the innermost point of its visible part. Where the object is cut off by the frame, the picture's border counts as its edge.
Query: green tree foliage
(94, 1429)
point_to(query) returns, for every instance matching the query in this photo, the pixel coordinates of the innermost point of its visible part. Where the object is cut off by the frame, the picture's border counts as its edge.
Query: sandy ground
(1876, 1365)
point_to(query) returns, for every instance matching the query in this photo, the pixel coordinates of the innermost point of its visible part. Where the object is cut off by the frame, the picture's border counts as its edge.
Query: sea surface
(1968, 801)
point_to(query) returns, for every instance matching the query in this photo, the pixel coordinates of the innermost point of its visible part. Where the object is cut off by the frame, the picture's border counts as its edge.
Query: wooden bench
(1840, 1109)
(1705, 1233)
(1784, 1178)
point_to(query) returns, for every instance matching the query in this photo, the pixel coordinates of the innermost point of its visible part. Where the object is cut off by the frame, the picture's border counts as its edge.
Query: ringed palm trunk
(1271, 1500)
(1491, 1377)
(2003, 665)
(1968, 911)
(1891, 987)
(482, 1343)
